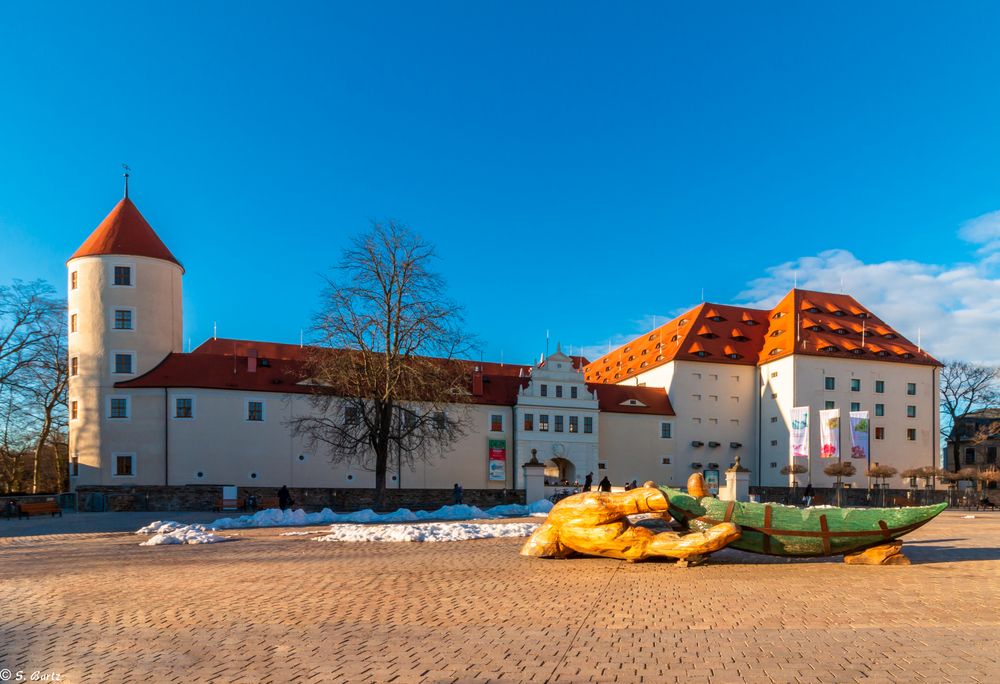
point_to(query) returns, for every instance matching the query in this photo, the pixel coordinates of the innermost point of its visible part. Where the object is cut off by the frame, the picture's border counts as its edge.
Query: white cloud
(955, 307)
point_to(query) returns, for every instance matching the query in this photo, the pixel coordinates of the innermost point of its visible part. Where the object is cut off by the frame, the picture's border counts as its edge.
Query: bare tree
(840, 470)
(43, 386)
(965, 387)
(24, 308)
(387, 376)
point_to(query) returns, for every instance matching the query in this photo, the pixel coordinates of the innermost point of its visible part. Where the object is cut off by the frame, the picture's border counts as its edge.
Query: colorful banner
(498, 460)
(829, 433)
(799, 443)
(859, 434)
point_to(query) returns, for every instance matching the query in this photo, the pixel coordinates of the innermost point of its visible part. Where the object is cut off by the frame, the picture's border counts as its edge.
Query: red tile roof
(222, 364)
(769, 335)
(125, 231)
(618, 398)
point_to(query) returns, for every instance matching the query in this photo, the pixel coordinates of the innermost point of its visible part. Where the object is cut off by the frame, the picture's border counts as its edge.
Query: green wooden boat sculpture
(777, 530)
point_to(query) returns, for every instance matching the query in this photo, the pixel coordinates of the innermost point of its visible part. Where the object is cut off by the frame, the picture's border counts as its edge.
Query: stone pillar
(534, 479)
(737, 483)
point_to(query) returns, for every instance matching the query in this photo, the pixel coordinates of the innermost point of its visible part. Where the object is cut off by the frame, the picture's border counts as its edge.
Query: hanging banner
(498, 460)
(799, 443)
(859, 434)
(829, 433)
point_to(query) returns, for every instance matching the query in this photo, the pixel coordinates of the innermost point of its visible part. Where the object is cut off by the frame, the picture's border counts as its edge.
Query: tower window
(123, 363)
(665, 430)
(74, 366)
(72, 280)
(74, 466)
(73, 410)
(184, 407)
(255, 410)
(123, 319)
(72, 323)
(118, 407)
(123, 276)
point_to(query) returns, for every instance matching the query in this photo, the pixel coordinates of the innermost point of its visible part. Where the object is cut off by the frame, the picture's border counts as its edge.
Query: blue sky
(581, 167)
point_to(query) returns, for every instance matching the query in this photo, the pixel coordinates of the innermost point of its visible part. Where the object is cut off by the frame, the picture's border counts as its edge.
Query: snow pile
(969, 517)
(426, 532)
(170, 532)
(274, 517)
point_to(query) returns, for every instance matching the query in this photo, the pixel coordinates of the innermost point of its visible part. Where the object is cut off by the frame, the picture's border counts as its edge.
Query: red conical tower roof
(125, 231)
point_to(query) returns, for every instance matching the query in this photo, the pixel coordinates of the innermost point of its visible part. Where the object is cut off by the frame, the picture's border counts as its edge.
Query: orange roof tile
(125, 231)
(769, 335)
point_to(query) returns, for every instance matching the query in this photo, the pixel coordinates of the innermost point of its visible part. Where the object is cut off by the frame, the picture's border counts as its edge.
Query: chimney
(477, 381)
(252, 361)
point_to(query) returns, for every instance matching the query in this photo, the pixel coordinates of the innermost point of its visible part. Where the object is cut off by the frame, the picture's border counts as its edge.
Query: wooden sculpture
(596, 524)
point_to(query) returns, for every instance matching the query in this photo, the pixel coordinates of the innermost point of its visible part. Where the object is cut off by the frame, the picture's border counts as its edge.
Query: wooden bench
(230, 504)
(902, 502)
(267, 502)
(30, 508)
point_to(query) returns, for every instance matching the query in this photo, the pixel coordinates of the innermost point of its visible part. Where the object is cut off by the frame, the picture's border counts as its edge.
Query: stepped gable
(125, 232)
(827, 324)
(708, 332)
(222, 364)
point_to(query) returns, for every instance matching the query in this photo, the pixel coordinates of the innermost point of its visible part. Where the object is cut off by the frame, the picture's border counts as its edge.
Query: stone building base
(206, 498)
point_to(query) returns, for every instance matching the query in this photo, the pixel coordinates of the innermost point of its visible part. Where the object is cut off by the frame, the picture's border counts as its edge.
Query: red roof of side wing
(125, 231)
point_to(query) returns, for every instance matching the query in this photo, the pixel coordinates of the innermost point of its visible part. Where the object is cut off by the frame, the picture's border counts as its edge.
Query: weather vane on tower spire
(127, 169)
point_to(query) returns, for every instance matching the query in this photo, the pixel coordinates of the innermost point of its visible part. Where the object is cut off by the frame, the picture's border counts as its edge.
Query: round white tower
(124, 319)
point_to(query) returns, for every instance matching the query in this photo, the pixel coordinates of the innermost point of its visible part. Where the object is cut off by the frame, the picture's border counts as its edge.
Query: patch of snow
(187, 534)
(426, 532)
(969, 517)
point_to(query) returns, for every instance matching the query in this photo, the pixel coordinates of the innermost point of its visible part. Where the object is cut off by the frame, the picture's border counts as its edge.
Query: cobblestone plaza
(81, 600)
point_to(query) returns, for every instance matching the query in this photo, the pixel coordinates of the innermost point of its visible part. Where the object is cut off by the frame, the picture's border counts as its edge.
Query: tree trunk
(43, 437)
(957, 451)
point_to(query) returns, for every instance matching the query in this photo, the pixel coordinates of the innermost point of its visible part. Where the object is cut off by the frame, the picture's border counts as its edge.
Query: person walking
(807, 499)
(604, 485)
(588, 482)
(284, 497)
(456, 495)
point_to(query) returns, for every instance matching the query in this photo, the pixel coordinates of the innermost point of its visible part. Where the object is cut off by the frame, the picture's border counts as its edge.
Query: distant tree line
(33, 377)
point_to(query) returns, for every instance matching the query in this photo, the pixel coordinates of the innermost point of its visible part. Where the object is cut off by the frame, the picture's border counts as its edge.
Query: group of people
(603, 486)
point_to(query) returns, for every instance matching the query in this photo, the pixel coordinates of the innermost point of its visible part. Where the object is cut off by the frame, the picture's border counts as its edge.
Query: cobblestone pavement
(96, 607)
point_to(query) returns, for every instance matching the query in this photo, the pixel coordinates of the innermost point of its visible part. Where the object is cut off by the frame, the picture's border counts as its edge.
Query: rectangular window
(255, 411)
(588, 425)
(855, 405)
(119, 407)
(559, 390)
(880, 433)
(73, 410)
(184, 407)
(911, 434)
(123, 363)
(665, 460)
(572, 392)
(74, 466)
(440, 421)
(124, 465)
(559, 424)
(123, 319)
(496, 422)
(880, 387)
(543, 390)
(830, 383)
(72, 280)
(774, 419)
(880, 410)
(543, 422)
(911, 388)
(774, 442)
(829, 405)
(665, 430)
(970, 456)
(123, 275)
(855, 384)
(72, 323)
(529, 422)
(774, 374)
(74, 366)
(911, 411)
(574, 424)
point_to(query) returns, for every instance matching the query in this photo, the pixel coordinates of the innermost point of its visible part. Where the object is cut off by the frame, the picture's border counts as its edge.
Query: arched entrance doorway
(559, 470)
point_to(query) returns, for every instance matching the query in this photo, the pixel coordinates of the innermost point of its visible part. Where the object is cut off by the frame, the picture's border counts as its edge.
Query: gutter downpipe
(166, 439)
(513, 444)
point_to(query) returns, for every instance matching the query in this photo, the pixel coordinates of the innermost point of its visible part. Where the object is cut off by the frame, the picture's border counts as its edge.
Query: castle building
(691, 395)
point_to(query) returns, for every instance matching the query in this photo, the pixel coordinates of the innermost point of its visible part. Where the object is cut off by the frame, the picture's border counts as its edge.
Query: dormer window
(683, 321)
(741, 338)
(839, 313)
(816, 328)
(717, 318)
(882, 354)
(701, 352)
(734, 355)
(841, 331)
(643, 352)
(651, 338)
(863, 314)
(660, 357)
(775, 351)
(813, 310)
(907, 355)
(778, 315)
(890, 336)
(675, 338)
(828, 348)
(643, 364)
(857, 351)
(749, 321)
(630, 371)
(777, 332)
